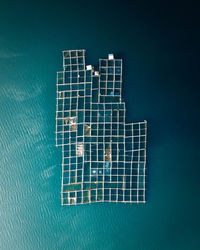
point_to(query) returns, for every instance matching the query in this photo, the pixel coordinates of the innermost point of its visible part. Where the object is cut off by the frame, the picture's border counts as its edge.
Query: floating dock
(103, 158)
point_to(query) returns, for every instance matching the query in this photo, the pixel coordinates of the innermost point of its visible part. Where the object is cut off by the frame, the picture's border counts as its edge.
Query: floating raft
(103, 158)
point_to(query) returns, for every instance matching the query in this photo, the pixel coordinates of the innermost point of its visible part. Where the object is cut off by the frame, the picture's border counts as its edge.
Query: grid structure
(103, 158)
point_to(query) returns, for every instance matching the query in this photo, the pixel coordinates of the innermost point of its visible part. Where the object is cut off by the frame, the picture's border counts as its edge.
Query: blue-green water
(158, 45)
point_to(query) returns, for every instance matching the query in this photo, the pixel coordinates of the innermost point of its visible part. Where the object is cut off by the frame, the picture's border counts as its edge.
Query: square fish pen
(103, 158)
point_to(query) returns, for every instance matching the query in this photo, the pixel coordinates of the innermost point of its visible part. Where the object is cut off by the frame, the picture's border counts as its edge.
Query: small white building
(88, 67)
(110, 56)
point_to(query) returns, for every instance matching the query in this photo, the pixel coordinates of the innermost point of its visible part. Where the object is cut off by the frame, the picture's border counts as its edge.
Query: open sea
(158, 44)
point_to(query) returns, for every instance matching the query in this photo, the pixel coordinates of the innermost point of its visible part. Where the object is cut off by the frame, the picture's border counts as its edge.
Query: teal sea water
(158, 45)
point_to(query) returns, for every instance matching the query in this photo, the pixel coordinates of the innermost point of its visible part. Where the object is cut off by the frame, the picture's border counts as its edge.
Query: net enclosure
(103, 157)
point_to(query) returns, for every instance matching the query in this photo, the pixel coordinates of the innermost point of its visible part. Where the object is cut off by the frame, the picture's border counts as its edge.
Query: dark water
(159, 47)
